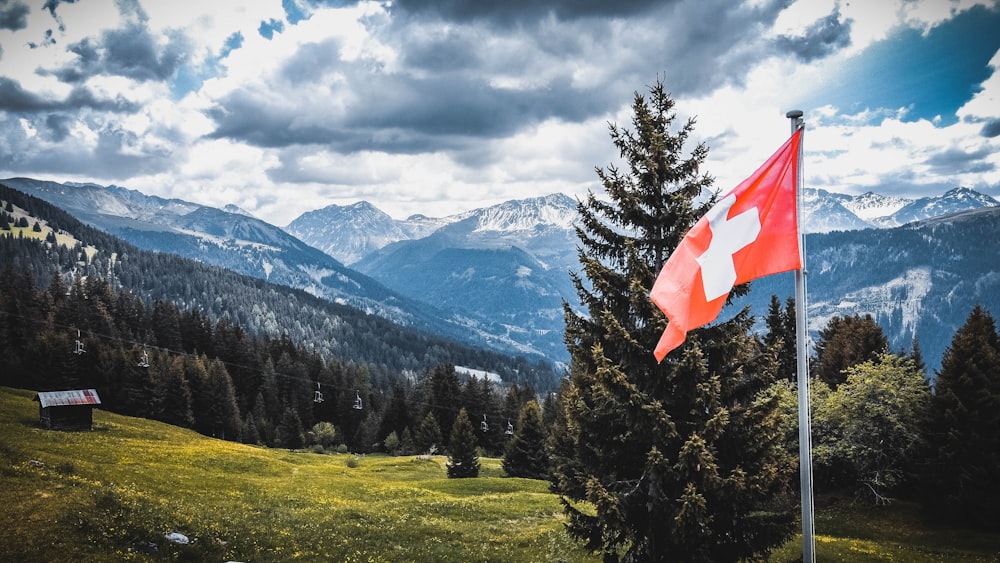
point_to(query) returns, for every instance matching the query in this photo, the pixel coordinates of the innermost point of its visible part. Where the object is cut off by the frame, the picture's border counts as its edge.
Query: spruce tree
(289, 432)
(429, 435)
(959, 481)
(681, 461)
(525, 454)
(463, 461)
(846, 342)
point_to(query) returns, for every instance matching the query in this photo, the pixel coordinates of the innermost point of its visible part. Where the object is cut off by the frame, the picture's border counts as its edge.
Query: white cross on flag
(750, 233)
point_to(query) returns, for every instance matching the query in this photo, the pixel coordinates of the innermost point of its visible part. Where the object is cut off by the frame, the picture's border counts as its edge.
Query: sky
(441, 106)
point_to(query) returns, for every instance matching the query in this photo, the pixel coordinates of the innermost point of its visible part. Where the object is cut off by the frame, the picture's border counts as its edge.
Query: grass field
(114, 493)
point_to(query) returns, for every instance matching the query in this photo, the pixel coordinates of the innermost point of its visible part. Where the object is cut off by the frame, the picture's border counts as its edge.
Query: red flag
(750, 233)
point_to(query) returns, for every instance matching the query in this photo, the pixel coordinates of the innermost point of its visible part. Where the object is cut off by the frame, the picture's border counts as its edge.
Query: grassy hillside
(114, 493)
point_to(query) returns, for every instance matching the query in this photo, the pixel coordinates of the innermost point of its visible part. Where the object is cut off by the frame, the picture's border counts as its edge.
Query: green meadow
(113, 494)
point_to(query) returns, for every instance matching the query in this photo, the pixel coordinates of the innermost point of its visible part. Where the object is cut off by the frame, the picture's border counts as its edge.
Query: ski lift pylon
(510, 428)
(318, 396)
(483, 426)
(144, 362)
(357, 400)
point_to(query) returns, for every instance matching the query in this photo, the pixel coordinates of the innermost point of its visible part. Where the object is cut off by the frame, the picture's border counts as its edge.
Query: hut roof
(62, 398)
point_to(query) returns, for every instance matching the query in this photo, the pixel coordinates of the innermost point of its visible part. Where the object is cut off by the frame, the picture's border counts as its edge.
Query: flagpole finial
(796, 116)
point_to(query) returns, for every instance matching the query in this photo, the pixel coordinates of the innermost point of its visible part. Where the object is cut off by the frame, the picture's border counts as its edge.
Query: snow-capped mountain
(870, 205)
(828, 211)
(919, 280)
(824, 211)
(240, 243)
(953, 201)
(335, 230)
(499, 275)
(506, 265)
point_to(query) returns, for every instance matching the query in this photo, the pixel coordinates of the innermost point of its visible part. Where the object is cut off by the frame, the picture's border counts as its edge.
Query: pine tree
(429, 434)
(846, 342)
(289, 432)
(682, 461)
(959, 481)
(463, 461)
(781, 337)
(173, 395)
(525, 454)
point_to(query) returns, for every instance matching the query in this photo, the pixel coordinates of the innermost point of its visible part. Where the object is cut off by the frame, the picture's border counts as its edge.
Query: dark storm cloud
(518, 11)
(131, 52)
(58, 126)
(510, 11)
(824, 37)
(991, 129)
(455, 83)
(397, 114)
(958, 161)
(13, 15)
(14, 98)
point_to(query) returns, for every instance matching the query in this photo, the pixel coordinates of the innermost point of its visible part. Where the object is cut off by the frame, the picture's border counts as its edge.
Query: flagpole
(802, 370)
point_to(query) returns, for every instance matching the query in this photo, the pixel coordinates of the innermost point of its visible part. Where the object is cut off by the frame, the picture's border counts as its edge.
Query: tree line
(179, 367)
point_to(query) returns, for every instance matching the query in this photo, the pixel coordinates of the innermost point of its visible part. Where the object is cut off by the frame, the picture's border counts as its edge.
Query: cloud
(514, 12)
(14, 16)
(51, 6)
(954, 161)
(14, 98)
(132, 52)
(821, 39)
(991, 129)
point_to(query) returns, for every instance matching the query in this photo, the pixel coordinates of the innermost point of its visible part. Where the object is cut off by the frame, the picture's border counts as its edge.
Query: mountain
(953, 201)
(245, 245)
(481, 264)
(499, 275)
(263, 309)
(351, 232)
(870, 205)
(506, 265)
(827, 211)
(919, 280)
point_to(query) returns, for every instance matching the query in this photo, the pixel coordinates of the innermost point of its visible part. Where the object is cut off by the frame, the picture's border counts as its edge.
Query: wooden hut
(67, 410)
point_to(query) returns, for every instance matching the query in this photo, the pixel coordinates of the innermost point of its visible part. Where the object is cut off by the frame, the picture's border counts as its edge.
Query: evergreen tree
(406, 444)
(959, 481)
(846, 342)
(429, 434)
(289, 431)
(682, 461)
(249, 432)
(525, 454)
(224, 415)
(443, 390)
(173, 395)
(781, 336)
(463, 460)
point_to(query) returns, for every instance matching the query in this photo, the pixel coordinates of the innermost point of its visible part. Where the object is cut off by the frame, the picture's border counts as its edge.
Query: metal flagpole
(805, 431)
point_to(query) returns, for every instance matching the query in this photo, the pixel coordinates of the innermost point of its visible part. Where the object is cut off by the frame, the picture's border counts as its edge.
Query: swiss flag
(750, 233)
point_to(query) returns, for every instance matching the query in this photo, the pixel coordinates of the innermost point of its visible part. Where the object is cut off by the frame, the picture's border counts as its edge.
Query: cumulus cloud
(416, 103)
(823, 38)
(132, 52)
(13, 16)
